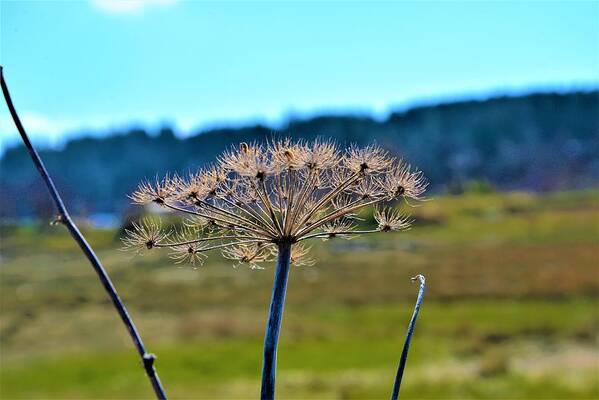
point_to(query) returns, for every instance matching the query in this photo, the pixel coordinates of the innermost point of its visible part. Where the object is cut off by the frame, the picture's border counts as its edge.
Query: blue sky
(90, 66)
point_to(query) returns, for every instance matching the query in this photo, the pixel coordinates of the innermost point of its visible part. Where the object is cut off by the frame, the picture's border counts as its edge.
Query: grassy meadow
(511, 311)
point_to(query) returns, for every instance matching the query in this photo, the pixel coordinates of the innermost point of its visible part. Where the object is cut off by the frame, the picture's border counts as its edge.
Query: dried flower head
(145, 235)
(367, 160)
(259, 196)
(249, 161)
(391, 220)
(402, 181)
(338, 228)
(300, 257)
(190, 253)
(286, 154)
(249, 253)
(157, 192)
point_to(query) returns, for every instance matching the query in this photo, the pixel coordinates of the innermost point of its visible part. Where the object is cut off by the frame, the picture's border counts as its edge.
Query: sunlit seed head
(188, 254)
(339, 228)
(251, 255)
(367, 189)
(391, 220)
(256, 197)
(157, 192)
(286, 154)
(145, 235)
(319, 155)
(368, 159)
(300, 257)
(401, 180)
(247, 161)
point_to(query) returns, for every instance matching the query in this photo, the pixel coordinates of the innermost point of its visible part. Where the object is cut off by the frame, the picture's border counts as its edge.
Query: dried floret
(145, 235)
(188, 254)
(158, 191)
(389, 219)
(367, 189)
(320, 155)
(248, 160)
(251, 254)
(343, 228)
(368, 159)
(402, 181)
(286, 155)
(300, 257)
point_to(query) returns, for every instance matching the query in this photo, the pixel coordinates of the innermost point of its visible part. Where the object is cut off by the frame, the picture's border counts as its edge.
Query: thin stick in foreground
(406, 346)
(64, 217)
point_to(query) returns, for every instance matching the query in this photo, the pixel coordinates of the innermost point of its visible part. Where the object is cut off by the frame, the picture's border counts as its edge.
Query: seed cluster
(258, 196)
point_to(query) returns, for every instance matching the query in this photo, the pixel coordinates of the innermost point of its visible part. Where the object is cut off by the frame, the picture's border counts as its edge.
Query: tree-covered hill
(544, 141)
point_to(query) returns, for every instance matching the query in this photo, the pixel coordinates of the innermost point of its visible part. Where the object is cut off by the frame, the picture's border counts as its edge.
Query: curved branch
(64, 217)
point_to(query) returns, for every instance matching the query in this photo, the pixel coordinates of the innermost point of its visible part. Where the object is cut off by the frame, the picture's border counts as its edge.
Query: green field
(511, 311)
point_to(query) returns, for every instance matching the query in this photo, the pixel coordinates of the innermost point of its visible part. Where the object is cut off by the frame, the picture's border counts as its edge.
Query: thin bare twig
(64, 217)
(406, 345)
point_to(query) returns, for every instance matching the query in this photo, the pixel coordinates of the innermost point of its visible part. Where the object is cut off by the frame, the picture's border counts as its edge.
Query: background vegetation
(539, 142)
(511, 311)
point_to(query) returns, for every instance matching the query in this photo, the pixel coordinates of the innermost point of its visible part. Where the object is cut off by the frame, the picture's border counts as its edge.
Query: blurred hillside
(539, 142)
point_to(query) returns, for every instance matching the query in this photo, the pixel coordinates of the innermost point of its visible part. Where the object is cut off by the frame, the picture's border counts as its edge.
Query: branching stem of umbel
(273, 325)
(64, 217)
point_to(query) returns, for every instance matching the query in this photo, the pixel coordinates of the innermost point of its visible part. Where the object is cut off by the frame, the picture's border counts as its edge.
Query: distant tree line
(538, 142)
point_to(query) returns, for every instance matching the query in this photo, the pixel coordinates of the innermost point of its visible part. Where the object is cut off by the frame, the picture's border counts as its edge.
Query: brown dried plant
(258, 196)
(259, 202)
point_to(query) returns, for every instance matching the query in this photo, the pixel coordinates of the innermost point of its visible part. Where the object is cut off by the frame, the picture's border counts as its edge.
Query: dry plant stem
(340, 233)
(406, 346)
(218, 246)
(328, 197)
(250, 213)
(64, 217)
(273, 326)
(270, 207)
(228, 214)
(224, 221)
(334, 215)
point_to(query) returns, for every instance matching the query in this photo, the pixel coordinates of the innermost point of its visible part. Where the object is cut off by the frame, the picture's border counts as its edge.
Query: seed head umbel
(258, 196)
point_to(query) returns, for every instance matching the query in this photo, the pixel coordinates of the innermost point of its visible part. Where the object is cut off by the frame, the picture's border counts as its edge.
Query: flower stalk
(404, 353)
(273, 325)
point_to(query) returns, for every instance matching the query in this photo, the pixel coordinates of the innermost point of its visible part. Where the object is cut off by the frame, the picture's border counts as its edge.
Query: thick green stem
(273, 326)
